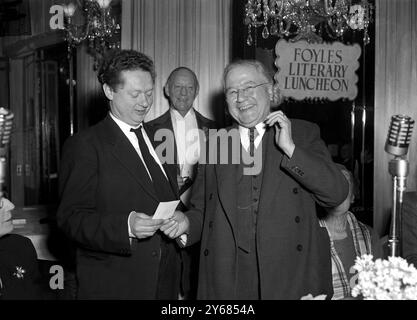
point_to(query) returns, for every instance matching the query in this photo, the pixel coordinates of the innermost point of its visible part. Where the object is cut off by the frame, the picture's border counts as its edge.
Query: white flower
(392, 279)
(20, 272)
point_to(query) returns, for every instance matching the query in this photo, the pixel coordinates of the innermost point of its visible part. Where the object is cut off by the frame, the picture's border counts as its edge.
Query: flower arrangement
(392, 279)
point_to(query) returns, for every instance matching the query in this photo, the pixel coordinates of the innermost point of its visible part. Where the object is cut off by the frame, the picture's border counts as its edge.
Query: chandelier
(307, 19)
(98, 26)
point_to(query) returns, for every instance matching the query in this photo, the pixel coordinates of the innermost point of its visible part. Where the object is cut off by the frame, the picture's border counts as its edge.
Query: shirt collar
(244, 135)
(260, 127)
(178, 116)
(123, 125)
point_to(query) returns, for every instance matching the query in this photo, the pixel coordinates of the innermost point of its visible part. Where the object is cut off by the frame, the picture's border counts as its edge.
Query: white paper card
(165, 210)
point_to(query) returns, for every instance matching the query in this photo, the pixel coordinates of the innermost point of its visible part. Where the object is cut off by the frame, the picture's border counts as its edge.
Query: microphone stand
(398, 168)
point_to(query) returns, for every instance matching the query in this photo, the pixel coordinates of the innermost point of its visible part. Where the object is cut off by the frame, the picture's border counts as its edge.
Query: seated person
(349, 239)
(19, 271)
(410, 227)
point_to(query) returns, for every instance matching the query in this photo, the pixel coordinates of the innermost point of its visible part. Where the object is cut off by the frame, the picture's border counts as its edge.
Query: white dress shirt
(244, 135)
(135, 143)
(244, 140)
(187, 139)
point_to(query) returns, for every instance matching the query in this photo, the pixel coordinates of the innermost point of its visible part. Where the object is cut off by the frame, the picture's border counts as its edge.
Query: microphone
(398, 140)
(6, 124)
(399, 135)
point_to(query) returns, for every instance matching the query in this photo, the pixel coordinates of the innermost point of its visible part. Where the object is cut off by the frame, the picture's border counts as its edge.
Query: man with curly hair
(111, 183)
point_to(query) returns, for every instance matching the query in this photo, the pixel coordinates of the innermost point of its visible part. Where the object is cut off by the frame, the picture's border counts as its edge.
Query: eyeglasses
(232, 93)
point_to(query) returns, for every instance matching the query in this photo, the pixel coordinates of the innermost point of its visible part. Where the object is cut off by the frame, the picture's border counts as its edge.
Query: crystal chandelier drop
(99, 27)
(307, 19)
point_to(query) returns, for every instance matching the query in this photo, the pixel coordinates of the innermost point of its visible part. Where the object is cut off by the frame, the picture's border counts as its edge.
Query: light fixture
(99, 27)
(307, 19)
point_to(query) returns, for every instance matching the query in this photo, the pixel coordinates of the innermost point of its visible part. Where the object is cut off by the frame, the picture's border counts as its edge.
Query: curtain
(190, 33)
(395, 93)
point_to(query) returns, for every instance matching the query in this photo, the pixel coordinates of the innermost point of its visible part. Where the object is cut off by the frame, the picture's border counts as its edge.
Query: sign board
(312, 70)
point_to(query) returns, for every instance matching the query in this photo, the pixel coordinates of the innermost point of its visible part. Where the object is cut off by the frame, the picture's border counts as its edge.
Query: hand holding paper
(165, 210)
(176, 226)
(143, 226)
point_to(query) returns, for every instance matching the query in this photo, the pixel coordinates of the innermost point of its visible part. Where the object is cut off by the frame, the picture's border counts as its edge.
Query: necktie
(253, 133)
(160, 182)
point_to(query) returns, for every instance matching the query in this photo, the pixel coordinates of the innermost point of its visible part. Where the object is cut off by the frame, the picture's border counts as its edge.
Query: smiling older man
(260, 236)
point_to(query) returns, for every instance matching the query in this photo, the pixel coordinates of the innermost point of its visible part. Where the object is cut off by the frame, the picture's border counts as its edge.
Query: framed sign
(312, 70)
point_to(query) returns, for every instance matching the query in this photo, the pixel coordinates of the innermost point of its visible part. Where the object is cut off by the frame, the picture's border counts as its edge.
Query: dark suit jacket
(17, 253)
(165, 122)
(102, 180)
(410, 227)
(293, 250)
(190, 255)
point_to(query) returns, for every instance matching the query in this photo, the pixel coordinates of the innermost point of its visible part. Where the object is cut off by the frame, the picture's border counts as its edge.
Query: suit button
(297, 219)
(300, 247)
(206, 252)
(211, 224)
(210, 196)
(154, 253)
(295, 190)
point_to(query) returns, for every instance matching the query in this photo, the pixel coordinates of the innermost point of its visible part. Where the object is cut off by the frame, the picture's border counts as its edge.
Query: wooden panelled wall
(21, 51)
(91, 102)
(395, 93)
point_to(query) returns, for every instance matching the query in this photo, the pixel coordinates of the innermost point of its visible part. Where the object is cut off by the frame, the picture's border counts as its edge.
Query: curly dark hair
(117, 61)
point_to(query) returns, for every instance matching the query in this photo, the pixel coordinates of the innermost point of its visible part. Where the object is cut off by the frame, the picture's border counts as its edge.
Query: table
(34, 223)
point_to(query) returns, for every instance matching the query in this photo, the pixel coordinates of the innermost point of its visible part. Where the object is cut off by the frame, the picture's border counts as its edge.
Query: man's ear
(197, 90)
(166, 90)
(108, 91)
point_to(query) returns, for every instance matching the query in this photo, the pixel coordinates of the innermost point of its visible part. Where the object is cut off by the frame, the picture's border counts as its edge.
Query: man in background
(190, 129)
(184, 120)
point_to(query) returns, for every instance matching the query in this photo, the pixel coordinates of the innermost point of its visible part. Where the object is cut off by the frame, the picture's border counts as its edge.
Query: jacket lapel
(272, 174)
(170, 169)
(227, 185)
(123, 151)
(164, 122)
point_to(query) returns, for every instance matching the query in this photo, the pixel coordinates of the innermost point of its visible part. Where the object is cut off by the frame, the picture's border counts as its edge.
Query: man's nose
(241, 95)
(144, 100)
(183, 91)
